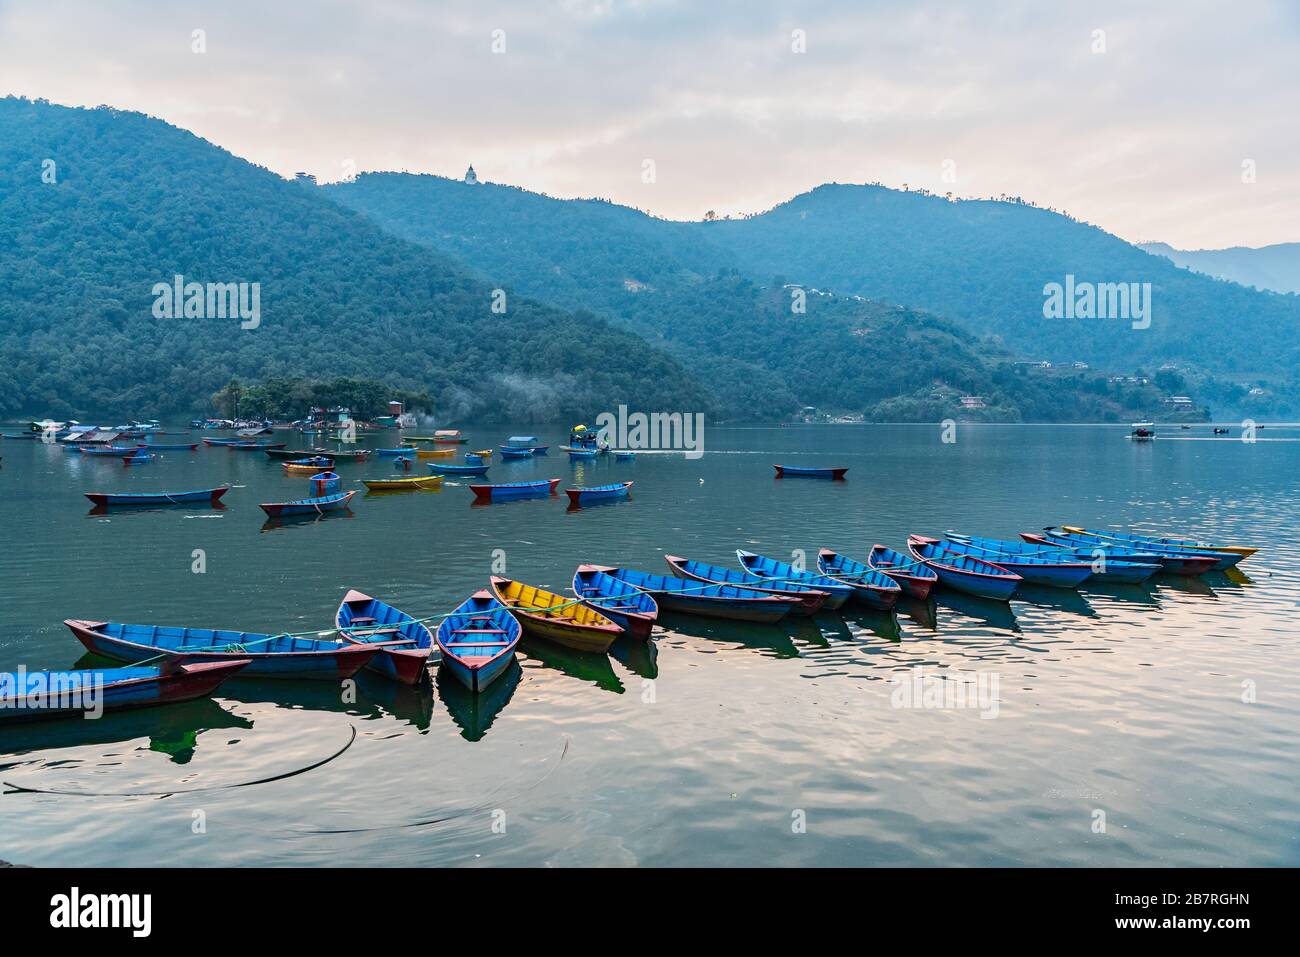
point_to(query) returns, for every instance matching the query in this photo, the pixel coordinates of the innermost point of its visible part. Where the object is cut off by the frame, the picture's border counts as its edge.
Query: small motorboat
(912, 576)
(964, 573)
(403, 484)
(795, 471)
(556, 618)
(478, 640)
(579, 455)
(37, 695)
(630, 608)
(580, 495)
(266, 656)
(209, 496)
(771, 569)
(511, 490)
(405, 645)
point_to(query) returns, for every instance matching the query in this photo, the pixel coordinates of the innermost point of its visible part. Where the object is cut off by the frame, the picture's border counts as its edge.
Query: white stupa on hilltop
(471, 177)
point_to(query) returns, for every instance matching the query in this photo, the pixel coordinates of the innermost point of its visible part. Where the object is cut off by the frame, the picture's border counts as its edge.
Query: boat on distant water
(508, 490)
(912, 575)
(109, 451)
(797, 471)
(266, 656)
(405, 452)
(809, 599)
(632, 609)
(712, 601)
(126, 499)
(771, 569)
(554, 617)
(234, 441)
(312, 463)
(405, 645)
(255, 446)
(449, 437)
(1245, 551)
(1143, 431)
(584, 495)
(413, 483)
(1111, 570)
(38, 695)
(356, 455)
(296, 453)
(1051, 571)
(1172, 560)
(140, 457)
(458, 469)
(870, 586)
(576, 455)
(434, 453)
(30, 436)
(624, 456)
(509, 452)
(309, 506)
(964, 573)
(478, 640)
(171, 446)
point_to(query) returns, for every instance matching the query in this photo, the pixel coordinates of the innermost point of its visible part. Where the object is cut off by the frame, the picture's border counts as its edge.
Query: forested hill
(985, 263)
(1276, 267)
(981, 264)
(736, 330)
(98, 206)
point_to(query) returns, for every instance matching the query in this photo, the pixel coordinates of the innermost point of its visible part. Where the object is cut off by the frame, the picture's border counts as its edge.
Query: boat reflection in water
(583, 665)
(1061, 599)
(637, 656)
(767, 639)
(301, 521)
(986, 611)
(474, 713)
(172, 729)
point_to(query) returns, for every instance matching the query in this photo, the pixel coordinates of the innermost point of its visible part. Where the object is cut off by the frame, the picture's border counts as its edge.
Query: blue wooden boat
(510, 490)
(912, 576)
(624, 456)
(963, 572)
(630, 608)
(871, 587)
(30, 436)
(810, 599)
(796, 471)
(126, 499)
(1224, 558)
(1111, 570)
(230, 441)
(578, 455)
(140, 457)
(442, 469)
(172, 446)
(404, 644)
(1171, 561)
(39, 695)
(267, 656)
(404, 453)
(512, 453)
(540, 449)
(770, 568)
(580, 495)
(1053, 572)
(309, 506)
(478, 640)
(312, 462)
(109, 451)
(714, 601)
(255, 446)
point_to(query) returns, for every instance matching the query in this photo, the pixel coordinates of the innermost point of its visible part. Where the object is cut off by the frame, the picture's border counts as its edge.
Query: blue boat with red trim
(505, 491)
(440, 469)
(799, 471)
(964, 572)
(632, 609)
(210, 496)
(405, 645)
(478, 640)
(871, 587)
(1053, 572)
(1105, 569)
(810, 599)
(580, 495)
(770, 568)
(916, 580)
(42, 695)
(696, 598)
(265, 656)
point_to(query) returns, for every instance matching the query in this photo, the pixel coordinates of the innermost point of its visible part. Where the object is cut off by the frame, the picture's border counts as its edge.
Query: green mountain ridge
(135, 202)
(1274, 268)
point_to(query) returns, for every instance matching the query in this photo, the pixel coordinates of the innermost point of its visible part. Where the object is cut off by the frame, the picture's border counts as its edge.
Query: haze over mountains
(392, 277)
(1275, 268)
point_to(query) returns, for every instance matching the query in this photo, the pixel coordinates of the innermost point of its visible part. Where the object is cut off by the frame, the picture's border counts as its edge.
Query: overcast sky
(1146, 139)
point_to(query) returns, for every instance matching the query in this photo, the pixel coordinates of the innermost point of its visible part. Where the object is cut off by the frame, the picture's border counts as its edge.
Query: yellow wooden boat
(414, 482)
(436, 453)
(483, 453)
(554, 617)
(1243, 550)
(293, 469)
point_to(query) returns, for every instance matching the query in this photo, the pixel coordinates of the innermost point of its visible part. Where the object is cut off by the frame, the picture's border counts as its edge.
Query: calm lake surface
(715, 744)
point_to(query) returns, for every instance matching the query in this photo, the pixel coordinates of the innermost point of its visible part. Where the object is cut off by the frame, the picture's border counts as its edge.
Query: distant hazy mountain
(1275, 268)
(736, 329)
(99, 206)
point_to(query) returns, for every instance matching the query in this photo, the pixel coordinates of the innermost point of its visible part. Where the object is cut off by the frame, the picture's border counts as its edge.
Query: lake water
(1167, 712)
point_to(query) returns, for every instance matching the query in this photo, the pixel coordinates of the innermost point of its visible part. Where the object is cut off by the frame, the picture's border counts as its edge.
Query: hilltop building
(471, 177)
